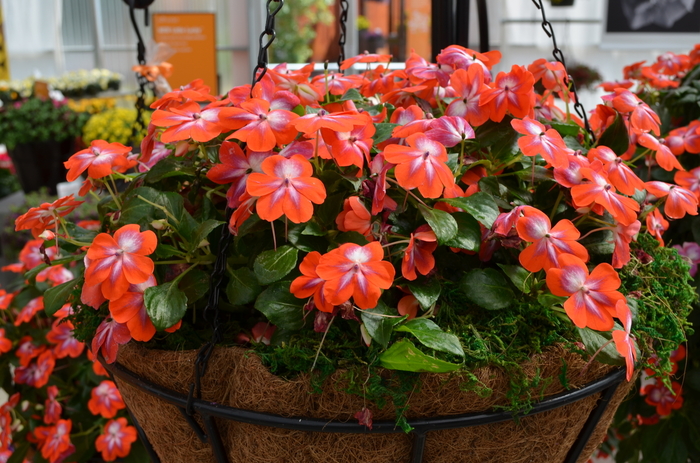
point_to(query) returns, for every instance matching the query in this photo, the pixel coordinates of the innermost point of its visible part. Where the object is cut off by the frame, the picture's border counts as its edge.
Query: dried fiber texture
(236, 377)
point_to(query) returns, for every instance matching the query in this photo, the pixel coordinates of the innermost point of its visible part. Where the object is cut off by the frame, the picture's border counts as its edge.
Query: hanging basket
(238, 390)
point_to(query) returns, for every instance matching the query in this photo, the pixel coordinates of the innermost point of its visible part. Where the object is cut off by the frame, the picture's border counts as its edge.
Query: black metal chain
(139, 124)
(211, 314)
(343, 31)
(559, 56)
(266, 38)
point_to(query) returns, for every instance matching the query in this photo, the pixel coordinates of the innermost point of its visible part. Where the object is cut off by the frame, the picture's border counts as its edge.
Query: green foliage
(36, 119)
(294, 25)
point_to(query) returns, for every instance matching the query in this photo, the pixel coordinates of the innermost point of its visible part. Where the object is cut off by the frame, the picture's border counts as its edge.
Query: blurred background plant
(113, 125)
(296, 29)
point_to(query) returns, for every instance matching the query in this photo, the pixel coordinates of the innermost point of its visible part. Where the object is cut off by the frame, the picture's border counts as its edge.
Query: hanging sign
(192, 36)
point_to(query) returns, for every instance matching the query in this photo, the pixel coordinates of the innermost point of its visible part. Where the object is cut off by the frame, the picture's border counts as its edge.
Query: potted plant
(405, 244)
(660, 420)
(39, 135)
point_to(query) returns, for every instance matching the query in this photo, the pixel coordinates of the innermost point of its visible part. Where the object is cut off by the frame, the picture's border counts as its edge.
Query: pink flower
(690, 251)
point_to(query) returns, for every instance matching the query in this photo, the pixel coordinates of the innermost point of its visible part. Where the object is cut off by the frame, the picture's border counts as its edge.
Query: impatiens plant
(660, 423)
(437, 218)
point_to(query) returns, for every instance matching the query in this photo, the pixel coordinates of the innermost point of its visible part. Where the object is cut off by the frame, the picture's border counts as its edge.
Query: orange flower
(624, 341)
(38, 219)
(188, 120)
(658, 395)
(365, 57)
(664, 156)
(351, 148)
(657, 225)
(355, 271)
(121, 260)
(468, 86)
(679, 201)
(116, 440)
(623, 235)
(130, 309)
(52, 408)
(510, 92)
(592, 297)
(310, 283)
(343, 121)
(421, 164)
(66, 345)
(261, 126)
(548, 243)
(600, 191)
(36, 374)
(419, 253)
(408, 305)
(642, 117)
(286, 188)
(538, 140)
(105, 400)
(54, 441)
(100, 160)
(619, 173)
(355, 217)
(234, 169)
(5, 343)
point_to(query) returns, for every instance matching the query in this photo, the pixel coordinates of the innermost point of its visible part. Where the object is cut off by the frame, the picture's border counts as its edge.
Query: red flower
(38, 219)
(658, 395)
(510, 92)
(657, 225)
(33, 307)
(286, 187)
(310, 283)
(623, 235)
(355, 271)
(188, 120)
(110, 334)
(129, 309)
(468, 86)
(105, 400)
(351, 148)
(664, 157)
(642, 117)
(419, 253)
(600, 191)
(624, 341)
(355, 217)
(261, 125)
(689, 180)
(538, 140)
(679, 201)
(52, 409)
(548, 243)
(5, 344)
(116, 440)
(100, 160)
(421, 164)
(116, 262)
(66, 345)
(619, 173)
(36, 374)
(234, 169)
(54, 441)
(343, 121)
(592, 297)
(450, 131)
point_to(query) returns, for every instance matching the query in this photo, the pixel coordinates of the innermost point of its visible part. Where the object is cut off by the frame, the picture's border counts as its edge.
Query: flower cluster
(398, 202)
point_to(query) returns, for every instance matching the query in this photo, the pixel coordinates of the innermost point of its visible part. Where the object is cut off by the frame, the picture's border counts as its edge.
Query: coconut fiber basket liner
(236, 378)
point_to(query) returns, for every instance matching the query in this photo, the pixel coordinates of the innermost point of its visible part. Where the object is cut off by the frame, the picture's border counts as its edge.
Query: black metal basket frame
(211, 411)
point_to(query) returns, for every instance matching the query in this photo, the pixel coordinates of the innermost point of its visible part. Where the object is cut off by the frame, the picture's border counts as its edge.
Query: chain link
(343, 31)
(559, 56)
(266, 38)
(139, 124)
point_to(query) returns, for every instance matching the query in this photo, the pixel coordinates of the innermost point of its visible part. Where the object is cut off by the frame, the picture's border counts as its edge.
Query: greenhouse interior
(339, 231)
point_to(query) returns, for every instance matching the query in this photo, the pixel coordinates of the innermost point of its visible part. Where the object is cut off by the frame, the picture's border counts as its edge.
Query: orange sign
(193, 38)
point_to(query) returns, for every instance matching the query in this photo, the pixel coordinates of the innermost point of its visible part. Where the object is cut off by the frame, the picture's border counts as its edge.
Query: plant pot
(40, 163)
(236, 378)
(562, 2)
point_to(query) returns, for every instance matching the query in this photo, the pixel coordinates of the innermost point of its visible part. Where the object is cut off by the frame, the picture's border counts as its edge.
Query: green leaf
(19, 452)
(146, 204)
(273, 265)
(431, 335)
(480, 205)
(164, 251)
(202, 232)
(313, 229)
(383, 132)
(427, 291)
(195, 284)
(353, 95)
(378, 327)
(594, 339)
(242, 287)
(550, 300)
(487, 288)
(442, 223)
(165, 304)
(403, 355)
(169, 167)
(55, 297)
(519, 276)
(281, 307)
(616, 136)
(468, 232)
(674, 449)
(351, 237)
(566, 129)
